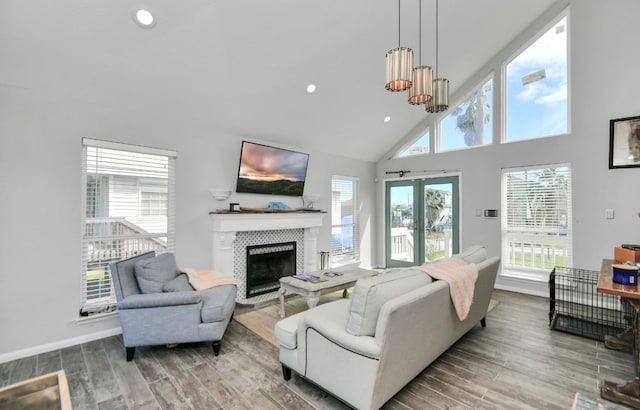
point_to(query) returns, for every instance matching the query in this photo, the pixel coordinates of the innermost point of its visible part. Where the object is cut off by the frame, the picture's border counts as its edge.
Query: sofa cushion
(393, 270)
(286, 330)
(370, 294)
(217, 303)
(474, 254)
(153, 273)
(178, 284)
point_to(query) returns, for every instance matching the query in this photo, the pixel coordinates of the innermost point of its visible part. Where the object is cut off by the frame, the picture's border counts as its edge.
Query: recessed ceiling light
(311, 88)
(387, 119)
(144, 18)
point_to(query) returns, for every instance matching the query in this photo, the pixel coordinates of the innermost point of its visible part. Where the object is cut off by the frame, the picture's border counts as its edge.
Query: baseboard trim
(60, 344)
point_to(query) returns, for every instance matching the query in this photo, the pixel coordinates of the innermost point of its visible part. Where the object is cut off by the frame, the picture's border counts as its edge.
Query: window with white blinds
(536, 220)
(345, 245)
(128, 209)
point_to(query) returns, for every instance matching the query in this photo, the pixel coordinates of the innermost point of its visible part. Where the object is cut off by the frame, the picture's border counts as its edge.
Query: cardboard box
(622, 255)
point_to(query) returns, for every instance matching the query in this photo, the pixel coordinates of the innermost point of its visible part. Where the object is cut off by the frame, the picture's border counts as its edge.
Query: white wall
(604, 85)
(40, 185)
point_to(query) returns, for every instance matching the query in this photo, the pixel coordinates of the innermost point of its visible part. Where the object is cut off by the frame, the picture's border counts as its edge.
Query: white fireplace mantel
(235, 222)
(226, 225)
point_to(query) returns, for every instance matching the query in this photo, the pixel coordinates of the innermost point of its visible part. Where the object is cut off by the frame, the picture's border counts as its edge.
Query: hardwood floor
(516, 362)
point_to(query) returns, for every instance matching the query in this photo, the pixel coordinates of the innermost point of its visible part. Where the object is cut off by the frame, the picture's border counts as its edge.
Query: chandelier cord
(420, 34)
(398, 23)
(437, 39)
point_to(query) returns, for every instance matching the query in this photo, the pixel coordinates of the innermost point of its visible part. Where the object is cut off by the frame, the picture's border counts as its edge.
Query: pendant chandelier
(399, 65)
(420, 91)
(440, 100)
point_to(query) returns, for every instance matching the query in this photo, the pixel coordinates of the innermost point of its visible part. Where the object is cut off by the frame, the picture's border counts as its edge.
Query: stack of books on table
(309, 278)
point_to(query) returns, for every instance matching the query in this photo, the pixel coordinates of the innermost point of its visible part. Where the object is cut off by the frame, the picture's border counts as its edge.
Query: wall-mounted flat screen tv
(271, 170)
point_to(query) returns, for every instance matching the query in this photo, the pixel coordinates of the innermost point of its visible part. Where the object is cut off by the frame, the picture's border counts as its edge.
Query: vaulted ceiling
(241, 67)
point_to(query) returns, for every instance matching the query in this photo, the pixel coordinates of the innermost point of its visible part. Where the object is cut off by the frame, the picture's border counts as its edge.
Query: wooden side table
(629, 393)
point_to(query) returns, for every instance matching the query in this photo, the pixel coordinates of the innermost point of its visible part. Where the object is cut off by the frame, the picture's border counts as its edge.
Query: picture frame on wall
(624, 142)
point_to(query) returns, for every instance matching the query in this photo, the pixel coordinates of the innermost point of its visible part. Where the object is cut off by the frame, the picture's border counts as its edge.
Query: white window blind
(536, 220)
(128, 209)
(345, 245)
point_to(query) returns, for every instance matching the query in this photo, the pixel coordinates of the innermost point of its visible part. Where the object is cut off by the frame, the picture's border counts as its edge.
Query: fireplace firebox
(266, 264)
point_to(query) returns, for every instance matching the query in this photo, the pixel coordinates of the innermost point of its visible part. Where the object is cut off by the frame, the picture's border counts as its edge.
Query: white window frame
(157, 198)
(448, 113)
(349, 257)
(148, 187)
(123, 244)
(408, 147)
(503, 77)
(534, 241)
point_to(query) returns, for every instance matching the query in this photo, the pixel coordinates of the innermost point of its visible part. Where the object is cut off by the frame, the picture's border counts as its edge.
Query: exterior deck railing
(108, 240)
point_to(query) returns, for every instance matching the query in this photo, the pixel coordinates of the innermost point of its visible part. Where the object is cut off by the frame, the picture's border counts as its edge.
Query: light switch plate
(491, 213)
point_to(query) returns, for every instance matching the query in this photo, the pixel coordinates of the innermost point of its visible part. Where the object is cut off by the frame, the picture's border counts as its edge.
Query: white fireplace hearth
(232, 232)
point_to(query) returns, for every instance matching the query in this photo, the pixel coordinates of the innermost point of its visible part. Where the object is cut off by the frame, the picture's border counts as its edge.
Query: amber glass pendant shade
(421, 86)
(398, 69)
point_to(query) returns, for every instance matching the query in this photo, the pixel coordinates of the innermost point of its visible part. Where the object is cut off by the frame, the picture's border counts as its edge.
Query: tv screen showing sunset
(270, 170)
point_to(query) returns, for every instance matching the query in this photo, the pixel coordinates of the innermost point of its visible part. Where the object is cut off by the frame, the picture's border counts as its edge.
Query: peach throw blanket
(461, 277)
(208, 278)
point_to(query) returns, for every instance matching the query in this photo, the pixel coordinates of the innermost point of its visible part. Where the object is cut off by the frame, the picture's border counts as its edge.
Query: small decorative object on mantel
(309, 199)
(624, 142)
(277, 205)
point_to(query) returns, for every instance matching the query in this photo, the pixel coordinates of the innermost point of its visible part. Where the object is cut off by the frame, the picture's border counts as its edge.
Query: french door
(422, 220)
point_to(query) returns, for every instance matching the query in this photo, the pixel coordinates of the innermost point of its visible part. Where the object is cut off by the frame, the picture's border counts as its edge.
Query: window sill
(526, 284)
(344, 264)
(523, 275)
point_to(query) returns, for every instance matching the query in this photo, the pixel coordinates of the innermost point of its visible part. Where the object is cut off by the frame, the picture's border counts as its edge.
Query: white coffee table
(312, 291)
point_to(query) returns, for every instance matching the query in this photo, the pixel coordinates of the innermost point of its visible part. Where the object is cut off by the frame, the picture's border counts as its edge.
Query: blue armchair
(167, 317)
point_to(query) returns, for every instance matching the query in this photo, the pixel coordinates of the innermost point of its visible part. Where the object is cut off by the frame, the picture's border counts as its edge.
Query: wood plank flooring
(516, 362)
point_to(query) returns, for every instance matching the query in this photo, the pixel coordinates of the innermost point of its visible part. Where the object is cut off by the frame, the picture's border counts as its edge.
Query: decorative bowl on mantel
(220, 194)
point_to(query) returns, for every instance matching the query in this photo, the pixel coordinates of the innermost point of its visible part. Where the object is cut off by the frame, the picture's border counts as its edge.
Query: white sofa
(363, 350)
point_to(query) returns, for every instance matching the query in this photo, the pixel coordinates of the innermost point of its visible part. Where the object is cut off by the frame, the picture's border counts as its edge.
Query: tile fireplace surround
(227, 227)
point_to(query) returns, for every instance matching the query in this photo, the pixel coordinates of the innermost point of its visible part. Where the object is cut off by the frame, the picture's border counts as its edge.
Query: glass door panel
(441, 217)
(401, 224)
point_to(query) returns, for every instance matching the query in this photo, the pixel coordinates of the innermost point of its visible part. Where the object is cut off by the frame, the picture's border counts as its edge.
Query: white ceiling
(241, 67)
